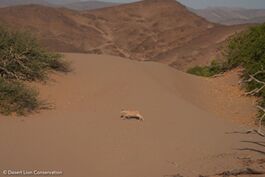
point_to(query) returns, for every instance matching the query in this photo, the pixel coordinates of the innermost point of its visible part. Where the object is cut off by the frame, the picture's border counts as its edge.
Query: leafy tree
(22, 59)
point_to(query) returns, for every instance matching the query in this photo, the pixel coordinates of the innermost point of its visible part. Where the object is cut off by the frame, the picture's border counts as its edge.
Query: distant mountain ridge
(231, 16)
(70, 4)
(153, 30)
(89, 5)
(6, 3)
(41, 2)
(62, 1)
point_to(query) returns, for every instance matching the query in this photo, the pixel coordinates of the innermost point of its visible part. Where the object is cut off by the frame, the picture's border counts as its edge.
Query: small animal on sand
(127, 114)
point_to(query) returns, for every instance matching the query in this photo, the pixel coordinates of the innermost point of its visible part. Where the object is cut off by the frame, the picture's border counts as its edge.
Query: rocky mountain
(232, 16)
(5, 3)
(156, 30)
(89, 5)
(71, 4)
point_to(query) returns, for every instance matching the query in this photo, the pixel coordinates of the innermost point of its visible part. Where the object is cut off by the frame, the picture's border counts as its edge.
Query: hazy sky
(208, 3)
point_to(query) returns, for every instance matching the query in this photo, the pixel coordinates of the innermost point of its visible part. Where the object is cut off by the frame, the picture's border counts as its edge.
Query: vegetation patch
(22, 59)
(207, 71)
(15, 97)
(246, 49)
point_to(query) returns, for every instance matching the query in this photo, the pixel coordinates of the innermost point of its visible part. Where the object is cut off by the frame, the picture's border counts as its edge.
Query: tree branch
(253, 78)
(261, 120)
(244, 171)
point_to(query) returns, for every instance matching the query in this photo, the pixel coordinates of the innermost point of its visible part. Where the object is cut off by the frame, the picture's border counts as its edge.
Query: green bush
(22, 59)
(248, 50)
(15, 97)
(207, 71)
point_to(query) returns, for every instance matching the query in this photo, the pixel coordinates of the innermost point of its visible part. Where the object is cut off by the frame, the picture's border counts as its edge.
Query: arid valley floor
(132, 57)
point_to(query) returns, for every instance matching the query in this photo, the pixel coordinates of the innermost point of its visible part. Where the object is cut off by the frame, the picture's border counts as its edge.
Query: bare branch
(261, 120)
(244, 171)
(253, 78)
(251, 131)
(259, 72)
(258, 81)
(9, 72)
(255, 91)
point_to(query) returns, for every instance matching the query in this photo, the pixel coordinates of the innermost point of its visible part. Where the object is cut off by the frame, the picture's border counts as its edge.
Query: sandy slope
(85, 137)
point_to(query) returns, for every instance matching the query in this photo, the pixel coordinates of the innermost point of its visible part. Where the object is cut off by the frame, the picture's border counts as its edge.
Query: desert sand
(83, 136)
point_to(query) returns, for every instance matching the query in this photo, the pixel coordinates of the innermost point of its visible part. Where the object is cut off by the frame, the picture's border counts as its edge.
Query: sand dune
(84, 136)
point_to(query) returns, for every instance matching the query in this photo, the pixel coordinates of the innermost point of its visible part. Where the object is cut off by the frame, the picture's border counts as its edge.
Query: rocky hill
(161, 30)
(232, 16)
